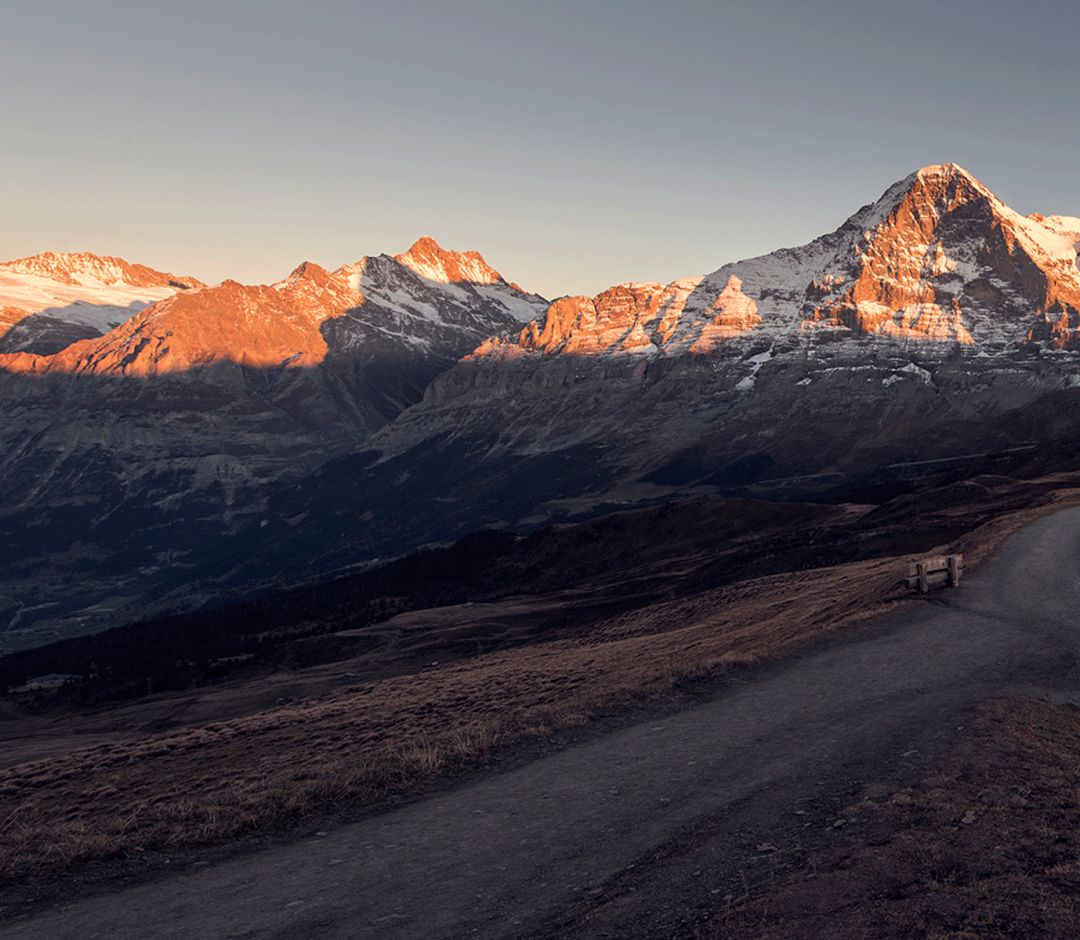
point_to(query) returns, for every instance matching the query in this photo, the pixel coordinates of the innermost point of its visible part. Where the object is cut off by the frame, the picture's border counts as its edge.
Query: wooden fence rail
(934, 572)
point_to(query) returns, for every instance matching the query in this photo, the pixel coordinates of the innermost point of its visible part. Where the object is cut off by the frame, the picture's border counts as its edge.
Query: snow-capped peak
(50, 300)
(935, 186)
(946, 171)
(430, 260)
(89, 270)
(937, 259)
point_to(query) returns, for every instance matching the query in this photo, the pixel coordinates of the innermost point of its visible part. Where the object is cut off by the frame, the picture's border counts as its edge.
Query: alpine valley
(167, 444)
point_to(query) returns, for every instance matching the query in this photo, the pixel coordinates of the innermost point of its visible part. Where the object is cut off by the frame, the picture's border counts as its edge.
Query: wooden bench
(934, 572)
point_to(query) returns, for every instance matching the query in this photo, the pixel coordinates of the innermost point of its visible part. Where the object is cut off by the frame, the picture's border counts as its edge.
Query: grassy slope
(211, 765)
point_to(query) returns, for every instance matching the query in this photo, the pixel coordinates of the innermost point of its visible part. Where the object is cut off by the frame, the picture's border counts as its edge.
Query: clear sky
(575, 144)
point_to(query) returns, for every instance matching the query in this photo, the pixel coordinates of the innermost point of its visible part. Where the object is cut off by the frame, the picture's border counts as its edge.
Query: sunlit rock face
(949, 262)
(431, 261)
(731, 314)
(635, 319)
(937, 260)
(256, 326)
(934, 322)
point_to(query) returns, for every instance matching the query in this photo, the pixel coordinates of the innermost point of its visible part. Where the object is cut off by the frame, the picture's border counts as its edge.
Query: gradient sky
(575, 144)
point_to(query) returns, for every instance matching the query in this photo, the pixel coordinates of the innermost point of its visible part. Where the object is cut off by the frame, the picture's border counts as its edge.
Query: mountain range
(167, 442)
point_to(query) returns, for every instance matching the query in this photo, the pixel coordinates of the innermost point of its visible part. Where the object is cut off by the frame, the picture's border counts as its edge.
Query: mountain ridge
(885, 270)
(934, 323)
(86, 268)
(383, 409)
(281, 324)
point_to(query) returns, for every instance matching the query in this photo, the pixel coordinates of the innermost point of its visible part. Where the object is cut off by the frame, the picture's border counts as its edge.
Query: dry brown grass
(229, 778)
(270, 769)
(986, 846)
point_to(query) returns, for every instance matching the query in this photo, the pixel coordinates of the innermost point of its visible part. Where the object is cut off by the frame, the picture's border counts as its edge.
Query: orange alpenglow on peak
(285, 324)
(86, 268)
(313, 273)
(249, 325)
(637, 318)
(937, 259)
(932, 256)
(430, 260)
(949, 170)
(52, 299)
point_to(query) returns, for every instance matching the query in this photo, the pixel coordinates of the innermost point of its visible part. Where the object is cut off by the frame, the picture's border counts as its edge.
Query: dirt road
(631, 833)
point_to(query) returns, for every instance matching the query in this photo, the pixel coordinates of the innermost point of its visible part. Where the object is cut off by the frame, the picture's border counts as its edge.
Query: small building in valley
(49, 682)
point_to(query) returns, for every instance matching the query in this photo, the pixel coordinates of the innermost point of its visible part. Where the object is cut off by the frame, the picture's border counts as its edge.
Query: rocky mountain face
(934, 324)
(125, 452)
(51, 300)
(936, 299)
(937, 260)
(236, 436)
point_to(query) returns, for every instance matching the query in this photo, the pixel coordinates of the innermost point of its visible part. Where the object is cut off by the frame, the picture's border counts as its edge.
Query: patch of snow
(1055, 237)
(917, 371)
(757, 361)
(96, 306)
(522, 307)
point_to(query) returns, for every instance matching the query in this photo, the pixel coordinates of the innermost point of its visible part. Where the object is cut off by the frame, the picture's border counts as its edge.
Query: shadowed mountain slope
(934, 324)
(125, 452)
(235, 437)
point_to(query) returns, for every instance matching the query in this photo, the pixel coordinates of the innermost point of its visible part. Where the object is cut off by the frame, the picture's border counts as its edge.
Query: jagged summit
(464, 274)
(947, 170)
(945, 182)
(937, 259)
(90, 270)
(947, 258)
(377, 307)
(430, 260)
(942, 174)
(312, 273)
(936, 184)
